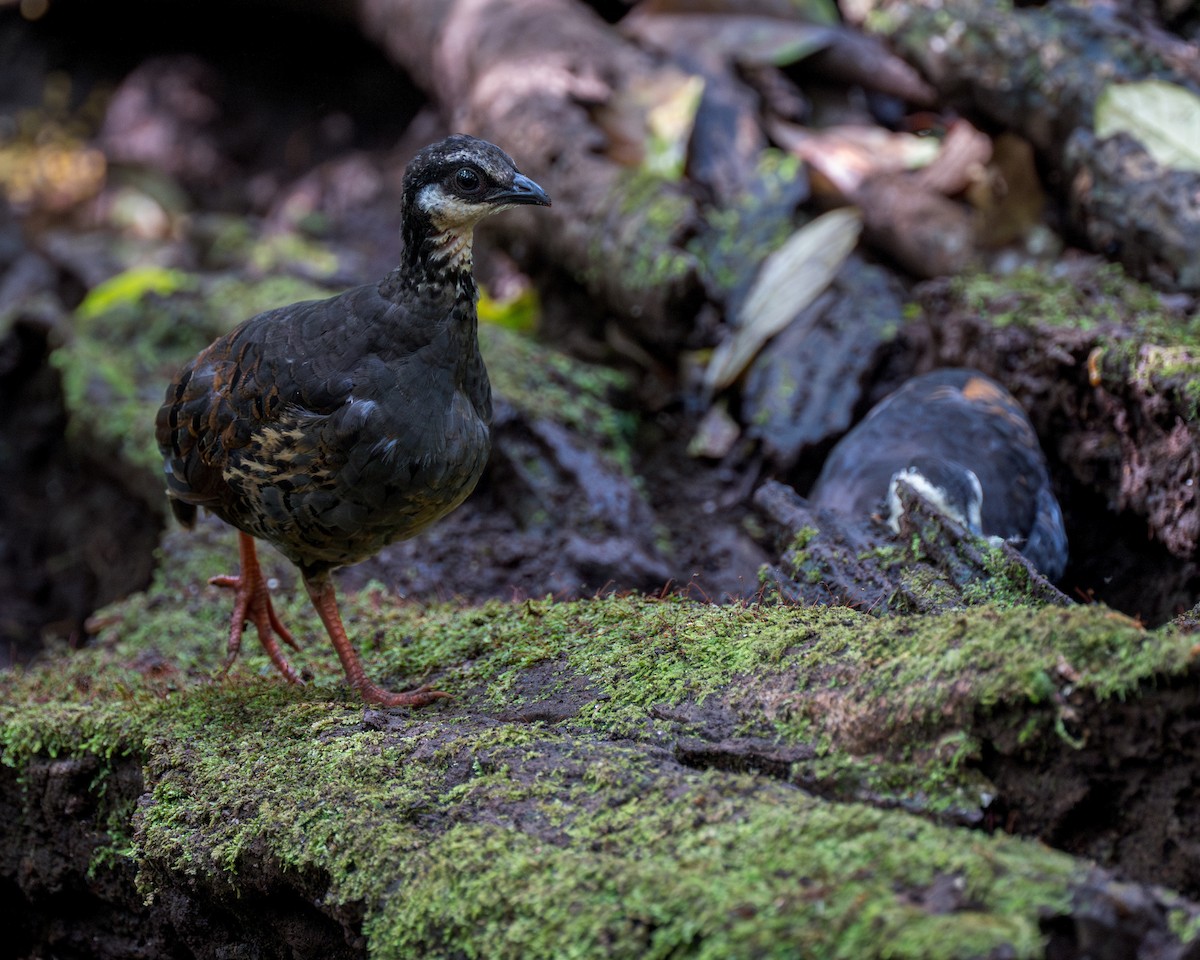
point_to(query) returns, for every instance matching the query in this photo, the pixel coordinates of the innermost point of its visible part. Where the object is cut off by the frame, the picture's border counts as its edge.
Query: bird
(965, 444)
(332, 428)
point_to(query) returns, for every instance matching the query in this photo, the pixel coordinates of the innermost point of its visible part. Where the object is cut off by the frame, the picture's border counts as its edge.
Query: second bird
(332, 428)
(961, 440)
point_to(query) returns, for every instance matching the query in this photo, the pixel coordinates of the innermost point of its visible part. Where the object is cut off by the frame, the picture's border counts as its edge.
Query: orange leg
(321, 591)
(253, 603)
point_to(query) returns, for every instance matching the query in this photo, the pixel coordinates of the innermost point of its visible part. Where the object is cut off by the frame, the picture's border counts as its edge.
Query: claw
(253, 604)
(324, 598)
(421, 697)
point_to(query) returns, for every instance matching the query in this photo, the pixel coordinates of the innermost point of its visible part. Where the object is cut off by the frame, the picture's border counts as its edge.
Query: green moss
(800, 563)
(649, 197)
(924, 584)
(544, 383)
(640, 653)
(646, 213)
(927, 583)
(709, 875)
(696, 864)
(740, 236)
(1103, 297)
(1006, 583)
(217, 794)
(803, 537)
(1139, 341)
(1184, 924)
(886, 554)
(459, 833)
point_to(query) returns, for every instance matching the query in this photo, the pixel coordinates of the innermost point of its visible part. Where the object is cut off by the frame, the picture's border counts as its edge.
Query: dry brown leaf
(1011, 200)
(848, 155)
(958, 163)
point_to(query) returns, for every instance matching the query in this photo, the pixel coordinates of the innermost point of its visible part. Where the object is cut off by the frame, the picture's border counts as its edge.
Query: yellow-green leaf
(129, 287)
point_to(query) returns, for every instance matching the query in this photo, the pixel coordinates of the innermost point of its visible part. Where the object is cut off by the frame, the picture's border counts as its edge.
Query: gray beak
(523, 190)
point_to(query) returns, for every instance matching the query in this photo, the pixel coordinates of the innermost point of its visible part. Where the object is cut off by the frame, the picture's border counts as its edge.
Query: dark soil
(71, 536)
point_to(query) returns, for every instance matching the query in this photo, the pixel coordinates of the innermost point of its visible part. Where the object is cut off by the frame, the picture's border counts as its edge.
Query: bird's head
(449, 187)
(950, 488)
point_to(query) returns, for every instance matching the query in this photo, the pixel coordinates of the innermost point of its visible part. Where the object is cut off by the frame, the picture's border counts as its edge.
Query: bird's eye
(468, 180)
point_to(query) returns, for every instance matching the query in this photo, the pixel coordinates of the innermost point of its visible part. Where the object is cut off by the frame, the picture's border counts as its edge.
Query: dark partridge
(962, 441)
(332, 428)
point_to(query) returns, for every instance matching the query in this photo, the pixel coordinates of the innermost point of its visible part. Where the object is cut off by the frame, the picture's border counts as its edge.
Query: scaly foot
(253, 604)
(420, 697)
(321, 592)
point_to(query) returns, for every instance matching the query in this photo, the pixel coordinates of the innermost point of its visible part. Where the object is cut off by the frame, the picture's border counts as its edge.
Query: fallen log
(1039, 70)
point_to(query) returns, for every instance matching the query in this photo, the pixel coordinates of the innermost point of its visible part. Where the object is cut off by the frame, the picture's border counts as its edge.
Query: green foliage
(128, 289)
(518, 313)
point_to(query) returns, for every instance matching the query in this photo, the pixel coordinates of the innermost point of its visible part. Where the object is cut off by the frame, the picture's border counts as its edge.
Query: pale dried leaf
(1163, 117)
(788, 281)
(649, 124)
(716, 434)
(669, 128)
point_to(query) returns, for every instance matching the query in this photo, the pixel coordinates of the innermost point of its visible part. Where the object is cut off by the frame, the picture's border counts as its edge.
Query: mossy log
(1039, 70)
(930, 565)
(620, 778)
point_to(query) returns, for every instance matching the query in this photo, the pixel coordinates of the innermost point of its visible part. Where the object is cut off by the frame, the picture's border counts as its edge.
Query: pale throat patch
(454, 220)
(453, 247)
